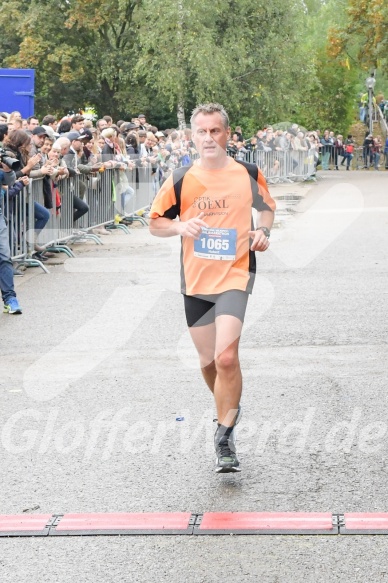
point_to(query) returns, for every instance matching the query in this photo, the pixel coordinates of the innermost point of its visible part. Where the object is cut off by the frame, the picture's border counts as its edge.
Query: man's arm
(265, 219)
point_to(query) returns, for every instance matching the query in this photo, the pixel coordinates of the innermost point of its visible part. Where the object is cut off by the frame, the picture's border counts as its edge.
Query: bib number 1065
(216, 244)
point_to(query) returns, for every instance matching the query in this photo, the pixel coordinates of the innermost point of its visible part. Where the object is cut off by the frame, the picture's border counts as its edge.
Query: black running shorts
(204, 309)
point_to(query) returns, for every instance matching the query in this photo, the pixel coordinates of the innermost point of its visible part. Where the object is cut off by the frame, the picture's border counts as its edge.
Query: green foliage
(267, 61)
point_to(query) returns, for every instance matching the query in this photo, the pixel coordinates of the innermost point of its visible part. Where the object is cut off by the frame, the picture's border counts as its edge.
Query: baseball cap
(50, 132)
(85, 134)
(75, 136)
(39, 131)
(141, 115)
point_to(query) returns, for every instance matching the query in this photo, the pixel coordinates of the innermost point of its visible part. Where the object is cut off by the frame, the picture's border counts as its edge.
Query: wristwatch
(266, 231)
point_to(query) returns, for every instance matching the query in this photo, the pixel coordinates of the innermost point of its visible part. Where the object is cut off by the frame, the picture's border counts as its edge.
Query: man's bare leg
(228, 384)
(204, 338)
(217, 347)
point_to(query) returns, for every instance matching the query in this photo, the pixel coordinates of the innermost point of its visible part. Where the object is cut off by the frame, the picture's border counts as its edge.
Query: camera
(12, 163)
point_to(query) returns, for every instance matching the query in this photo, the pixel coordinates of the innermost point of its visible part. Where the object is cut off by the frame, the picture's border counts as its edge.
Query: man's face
(210, 135)
(260, 134)
(102, 124)
(77, 145)
(33, 124)
(54, 125)
(150, 142)
(142, 120)
(78, 125)
(3, 119)
(142, 138)
(11, 126)
(38, 140)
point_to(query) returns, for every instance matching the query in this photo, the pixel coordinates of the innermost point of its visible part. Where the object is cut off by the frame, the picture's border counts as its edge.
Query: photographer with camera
(7, 178)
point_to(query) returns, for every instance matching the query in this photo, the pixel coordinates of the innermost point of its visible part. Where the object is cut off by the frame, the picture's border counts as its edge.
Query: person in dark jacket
(8, 294)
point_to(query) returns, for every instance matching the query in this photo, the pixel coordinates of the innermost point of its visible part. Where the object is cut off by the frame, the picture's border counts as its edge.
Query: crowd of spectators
(330, 150)
(53, 149)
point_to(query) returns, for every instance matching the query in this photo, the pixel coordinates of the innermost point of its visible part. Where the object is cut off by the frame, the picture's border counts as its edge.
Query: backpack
(349, 149)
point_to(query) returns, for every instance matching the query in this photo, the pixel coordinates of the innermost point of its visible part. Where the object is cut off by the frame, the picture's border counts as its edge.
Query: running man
(213, 199)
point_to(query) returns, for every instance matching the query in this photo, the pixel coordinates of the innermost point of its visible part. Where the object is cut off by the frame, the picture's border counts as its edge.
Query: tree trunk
(181, 116)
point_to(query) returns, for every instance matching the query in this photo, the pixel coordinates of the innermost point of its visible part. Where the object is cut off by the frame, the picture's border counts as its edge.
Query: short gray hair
(208, 108)
(60, 143)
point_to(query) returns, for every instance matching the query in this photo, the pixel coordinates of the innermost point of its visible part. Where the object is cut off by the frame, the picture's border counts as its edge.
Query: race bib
(216, 244)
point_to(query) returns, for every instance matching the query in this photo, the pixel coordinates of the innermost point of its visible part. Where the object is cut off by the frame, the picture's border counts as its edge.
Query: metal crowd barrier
(110, 196)
(278, 166)
(15, 213)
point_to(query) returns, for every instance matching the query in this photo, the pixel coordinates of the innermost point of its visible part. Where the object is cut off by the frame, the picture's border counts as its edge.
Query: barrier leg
(61, 249)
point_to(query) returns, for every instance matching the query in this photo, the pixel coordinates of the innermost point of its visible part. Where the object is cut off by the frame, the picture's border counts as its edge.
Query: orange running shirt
(221, 259)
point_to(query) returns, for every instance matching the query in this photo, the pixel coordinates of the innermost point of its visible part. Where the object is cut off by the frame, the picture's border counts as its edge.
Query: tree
(86, 59)
(243, 53)
(365, 34)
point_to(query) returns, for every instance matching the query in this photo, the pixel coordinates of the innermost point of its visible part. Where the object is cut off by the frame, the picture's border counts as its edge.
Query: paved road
(95, 372)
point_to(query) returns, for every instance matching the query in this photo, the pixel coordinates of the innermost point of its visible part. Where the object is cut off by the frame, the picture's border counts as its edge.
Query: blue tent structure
(17, 91)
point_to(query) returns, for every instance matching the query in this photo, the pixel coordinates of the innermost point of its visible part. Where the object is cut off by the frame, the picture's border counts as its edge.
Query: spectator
(109, 120)
(241, 151)
(101, 124)
(142, 136)
(77, 123)
(367, 150)
(142, 121)
(111, 152)
(19, 143)
(132, 146)
(8, 294)
(252, 144)
(65, 145)
(32, 123)
(51, 121)
(376, 151)
(338, 150)
(64, 127)
(300, 142)
(238, 131)
(349, 151)
(326, 150)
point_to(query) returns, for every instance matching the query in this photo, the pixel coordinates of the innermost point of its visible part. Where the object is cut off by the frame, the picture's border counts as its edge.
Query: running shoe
(227, 460)
(12, 306)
